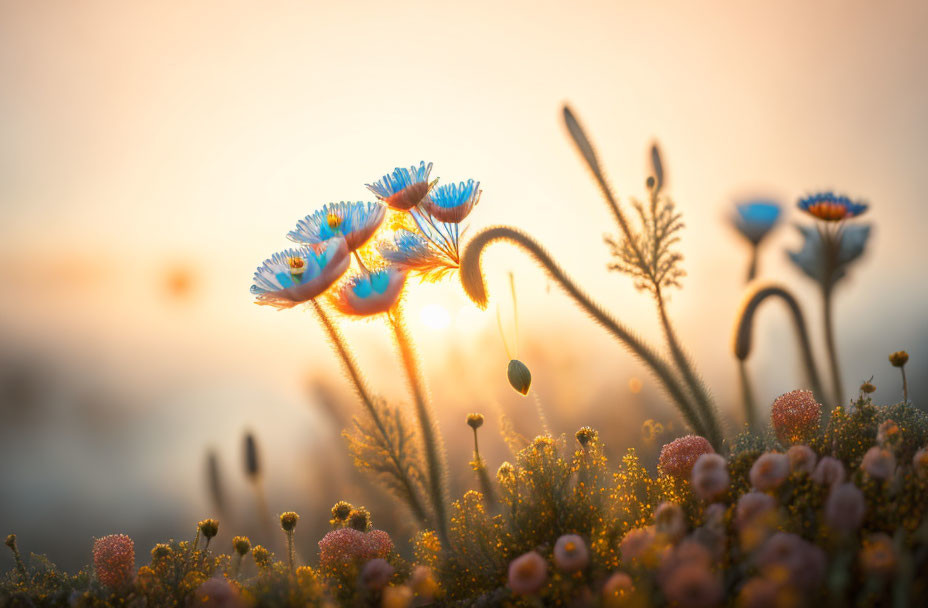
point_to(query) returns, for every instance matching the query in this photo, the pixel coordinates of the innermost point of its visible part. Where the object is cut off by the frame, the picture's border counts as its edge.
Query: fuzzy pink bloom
(689, 551)
(751, 507)
(878, 463)
(678, 457)
(670, 521)
(376, 574)
(761, 592)
(710, 476)
(570, 553)
(693, 585)
(828, 472)
(802, 562)
(920, 463)
(217, 592)
(845, 507)
(769, 471)
(347, 545)
(878, 555)
(528, 573)
(617, 587)
(114, 559)
(636, 543)
(795, 416)
(801, 459)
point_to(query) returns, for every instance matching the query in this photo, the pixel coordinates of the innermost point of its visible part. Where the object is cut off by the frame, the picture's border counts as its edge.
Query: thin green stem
(698, 388)
(905, 386)
(830, 344)
(747, 396)
(236, 565)
(475, 286)
(431, 437)
(354, 374)
(290, 552)
(20, 566)
(486, 485)
(752, 268)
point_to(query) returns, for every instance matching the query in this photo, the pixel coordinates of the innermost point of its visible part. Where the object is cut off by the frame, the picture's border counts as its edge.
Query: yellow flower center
(333, 220)
(297, 265)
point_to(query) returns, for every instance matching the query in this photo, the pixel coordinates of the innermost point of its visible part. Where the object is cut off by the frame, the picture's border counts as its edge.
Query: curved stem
(431, 437)
(474, 285)
(830, 343)
(701, 394)
(341, 348)
(745, 326)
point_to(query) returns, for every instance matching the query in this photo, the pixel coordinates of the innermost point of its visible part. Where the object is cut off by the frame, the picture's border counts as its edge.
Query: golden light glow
(435, 317)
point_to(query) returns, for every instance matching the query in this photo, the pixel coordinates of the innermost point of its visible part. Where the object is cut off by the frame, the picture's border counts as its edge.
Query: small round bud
(475, 421)
(360, 519)
(519, 376)
(878, 463)
(161, 551)
(505, 471)
(586, 435)
(678, 457)
(899, 358)
(208, 528)
(11, 541)
(241, 544)
(528, 573)
(288, 521)
(867, 388)
(340, 511)
(650, 182)
(795, 417)
(261, 556)
(570, 553)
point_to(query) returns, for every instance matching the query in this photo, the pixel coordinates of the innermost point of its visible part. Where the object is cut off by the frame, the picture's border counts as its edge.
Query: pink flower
(570, 553)
(878, 555)
(752, 506)
(803, 562)
(828, 472)
(710, 476)
(528, 573)
(920, 463)
(670, 521)
(795, 416)
(636, 543)
(845, 507)
(801, 459)
(879, 463)
(617, 588)
(114, 559)
(371, 293)
(376, 574)
(217, 592)
(769, 471)
(693, 585)
(678, 457)
(346, 545)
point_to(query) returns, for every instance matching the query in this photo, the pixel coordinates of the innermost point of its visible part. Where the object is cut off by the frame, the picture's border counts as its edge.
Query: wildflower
(423, 582)
(899, 358)
(795, 416)
(637, 543)
(347, 544)
(570, 553)
(161, 551)
(114, 559)
(801, 459)
(827, 262)
(755, 219)
(451, 203)
(413, 251)
(376, 574)
(678, 457)
(920, 463)
(261, 556)
(769, 471)
(618, 587)
(828, 471)
(710, 476)
(520, 378)
(294, 276)
(475, 421)
(753, 507)
(217, 592)
(845, 507)
(359, 519)
(670, 521)
(372, 292)
(888, 435)
(356, 222)
(802, 563)
(867, 388)
(528, 573)
(878, 556)
(241, 544)
(585, 435)
(404, 188)
(878, 463)
(208, 528)
(340, 512)
(830, 207)
(693, 585)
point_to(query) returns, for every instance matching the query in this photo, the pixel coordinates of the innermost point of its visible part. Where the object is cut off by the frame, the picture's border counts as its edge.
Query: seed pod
(519, 376)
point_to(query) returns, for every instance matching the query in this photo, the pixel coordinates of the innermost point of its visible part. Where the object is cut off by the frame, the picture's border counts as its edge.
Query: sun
(435, 317)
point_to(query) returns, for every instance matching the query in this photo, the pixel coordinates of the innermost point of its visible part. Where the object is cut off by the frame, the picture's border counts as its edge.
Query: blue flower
(412, 251)
(755, 219)
(298, 275)
(357, 222)
(812, 257)
(372, 292)
(404, 188)
(831, 207)
(452, 202)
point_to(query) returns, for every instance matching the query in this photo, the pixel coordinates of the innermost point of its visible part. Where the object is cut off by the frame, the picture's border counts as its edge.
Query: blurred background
(153, 154)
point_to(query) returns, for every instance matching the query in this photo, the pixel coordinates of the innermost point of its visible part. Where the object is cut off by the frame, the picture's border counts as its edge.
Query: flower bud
(878, 463)
(845, 507)
(878, 556)
(570, 553)
(241, 544)
(528, 573)
(475, 421)
(114, 559)
(252, 466)
(360, 519)
(678, 457)
(261, 556)
(828, 472)
(867, 388)
(795, 416)
(586, 435)
(899, 358)
(710, 476)
(340, 512)
(288, 521)
(208, 528)
(888, 435)
(801, 459)
(161, 551)
(670, 521)
(376, 573)
(920, 463)
(769, 471)
(519, 376)
(11, 541)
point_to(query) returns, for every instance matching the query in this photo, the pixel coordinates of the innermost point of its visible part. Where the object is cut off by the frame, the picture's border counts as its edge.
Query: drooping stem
(700, 393)
(747, 396)
(745, 326)
(357, 380)
(431, 437)
(473, 281)
(830, 343)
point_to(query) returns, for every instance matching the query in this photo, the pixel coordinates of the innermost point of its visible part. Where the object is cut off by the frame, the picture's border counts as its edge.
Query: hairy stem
(354, 374)
(474, 285)
(431, 437)
(905, 386)
(745, 326)
(747, 396)
(486, 485)
(704, 402)
(290, 553)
